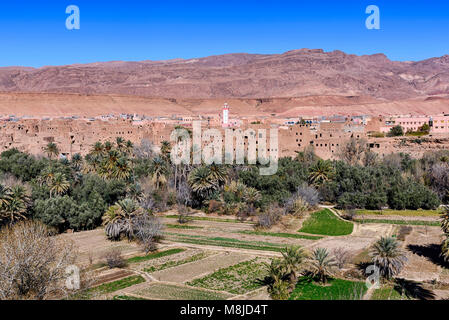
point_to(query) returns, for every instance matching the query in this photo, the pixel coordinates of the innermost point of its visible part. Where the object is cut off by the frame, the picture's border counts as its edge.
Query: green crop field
(326, 223)
(335, 289)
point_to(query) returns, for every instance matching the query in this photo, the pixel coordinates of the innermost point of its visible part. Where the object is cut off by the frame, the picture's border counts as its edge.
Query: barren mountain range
(299, 81)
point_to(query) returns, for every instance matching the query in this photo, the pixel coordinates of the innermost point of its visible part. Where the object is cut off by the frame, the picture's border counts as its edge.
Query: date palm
(77, 161)
(47, 175)
(445, 227)
(293, 261)
(59, 185)
(445, 220)
(165, 149)
(5, 195)
(278, 286)
(114, 220)
(111, 159)
(129, 147)
(118, 219)
(388, 256)
(17, 205)
(237, 188)
(320, 172)
(201, 181)
(122, 169)
(251, 195)
(14, 211)
(218, 173)
(445, 249)
(159, 172)
(120, 143)
(97, 149)
(51, 150)
(107, 146)
(322, 264)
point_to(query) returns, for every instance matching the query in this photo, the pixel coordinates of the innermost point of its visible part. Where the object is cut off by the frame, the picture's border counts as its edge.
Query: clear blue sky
(33, 33)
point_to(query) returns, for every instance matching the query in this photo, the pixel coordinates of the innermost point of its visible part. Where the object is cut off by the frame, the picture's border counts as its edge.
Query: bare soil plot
(362, 237)
(423, 248)
(199, 268)
(175, 292)
(93, 244)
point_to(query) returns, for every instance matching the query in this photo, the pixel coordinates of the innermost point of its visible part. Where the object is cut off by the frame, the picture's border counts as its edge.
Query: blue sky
(33, 33)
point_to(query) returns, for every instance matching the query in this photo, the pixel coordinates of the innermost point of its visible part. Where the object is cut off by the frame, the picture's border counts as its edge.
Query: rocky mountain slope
(297, 73)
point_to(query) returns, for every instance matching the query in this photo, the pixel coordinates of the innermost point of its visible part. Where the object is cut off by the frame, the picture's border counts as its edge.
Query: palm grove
(121, 186)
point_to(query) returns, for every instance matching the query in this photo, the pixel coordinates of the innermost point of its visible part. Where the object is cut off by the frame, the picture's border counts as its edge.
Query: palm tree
(218, 173)
(59, 185)
(165, 149)
(118, 219)
(120, 143)
(5, 196)
(135, 192)
(445, 227)
(113, 220)
(97, 149)
(20, 192)
(445, 220)
(17, 205)
(251, 195)
(159, 172)
(322, 264)
(445, 249)
(201, 181)
(51, 150)
(107, 147)
(276, 280)
(111, 159)
(237, 188)
(15, 210)
(129, 147)
(47, 175)
(388, 256)
(77, 161)
(294, 257)
(320, 172)
(122, 169)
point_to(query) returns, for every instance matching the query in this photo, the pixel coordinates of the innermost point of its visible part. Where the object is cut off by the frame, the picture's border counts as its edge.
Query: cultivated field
(215, 257)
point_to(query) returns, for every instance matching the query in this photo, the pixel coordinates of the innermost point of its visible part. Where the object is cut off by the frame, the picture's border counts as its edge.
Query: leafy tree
(396, 131)
(55, 212)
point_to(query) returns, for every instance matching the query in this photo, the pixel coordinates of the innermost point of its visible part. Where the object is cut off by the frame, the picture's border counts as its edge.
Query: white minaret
(225, 115)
